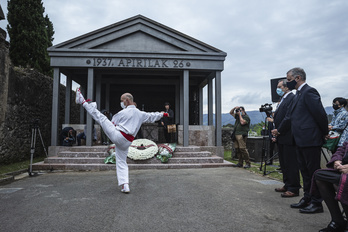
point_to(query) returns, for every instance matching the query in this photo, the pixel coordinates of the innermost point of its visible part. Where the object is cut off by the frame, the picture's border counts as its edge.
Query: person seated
(83, 134)
(339, 122)
(67, 136)
(325, 183)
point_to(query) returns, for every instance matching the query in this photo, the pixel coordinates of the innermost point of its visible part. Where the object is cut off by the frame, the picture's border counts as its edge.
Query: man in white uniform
(121, 130)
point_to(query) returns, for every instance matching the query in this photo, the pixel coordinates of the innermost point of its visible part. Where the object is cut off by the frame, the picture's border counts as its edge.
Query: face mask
(335, 107)
(122, 105)
(280, 92)
(291, 85)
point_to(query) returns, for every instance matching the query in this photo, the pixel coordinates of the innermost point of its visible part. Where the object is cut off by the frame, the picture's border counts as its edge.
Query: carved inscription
(137, 63)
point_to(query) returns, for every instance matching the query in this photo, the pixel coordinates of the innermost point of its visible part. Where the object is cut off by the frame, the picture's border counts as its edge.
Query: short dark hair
(283, 81)
(297, 72)
(340, 100)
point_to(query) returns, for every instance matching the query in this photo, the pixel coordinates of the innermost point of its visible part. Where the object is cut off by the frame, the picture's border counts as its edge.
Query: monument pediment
(136, 34)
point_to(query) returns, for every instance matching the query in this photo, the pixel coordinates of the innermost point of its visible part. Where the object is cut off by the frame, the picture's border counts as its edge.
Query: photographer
(241, 128)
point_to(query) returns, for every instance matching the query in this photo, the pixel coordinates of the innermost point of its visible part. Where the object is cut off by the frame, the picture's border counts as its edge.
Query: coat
(279, 115)
(307, 119)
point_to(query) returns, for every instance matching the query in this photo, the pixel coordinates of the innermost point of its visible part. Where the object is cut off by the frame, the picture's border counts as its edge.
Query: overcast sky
(263, 39)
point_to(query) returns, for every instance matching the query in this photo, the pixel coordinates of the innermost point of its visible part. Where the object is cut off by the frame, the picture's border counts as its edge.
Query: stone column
(218, 109)
(181, 111)
(55, 107)
(107, 96)
(82, 110)
(210, 101)
(90, 91)
(177, 103)
(98, 91)
(200, 99)
(186, 102)
(67, 99)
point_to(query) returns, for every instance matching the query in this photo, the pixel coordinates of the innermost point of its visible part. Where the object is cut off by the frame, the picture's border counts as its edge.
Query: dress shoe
(280, 190)
(312, 208)
(289, 194)
(301, 204)
(333, 227)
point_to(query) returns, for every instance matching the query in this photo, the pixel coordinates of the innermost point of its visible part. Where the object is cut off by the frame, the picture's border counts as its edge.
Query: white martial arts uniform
(128, 121)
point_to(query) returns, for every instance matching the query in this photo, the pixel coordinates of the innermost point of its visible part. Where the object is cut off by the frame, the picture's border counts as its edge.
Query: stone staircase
(83, 158)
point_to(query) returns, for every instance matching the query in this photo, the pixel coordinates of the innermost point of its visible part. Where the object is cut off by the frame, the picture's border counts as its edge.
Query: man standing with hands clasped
(308, 122)
(286, 148)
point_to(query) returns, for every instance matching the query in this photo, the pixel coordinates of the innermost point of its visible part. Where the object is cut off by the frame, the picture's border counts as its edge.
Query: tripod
(266, 148)
(34, 129)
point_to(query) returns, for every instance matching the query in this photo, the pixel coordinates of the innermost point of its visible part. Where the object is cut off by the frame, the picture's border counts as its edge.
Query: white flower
(142, 149)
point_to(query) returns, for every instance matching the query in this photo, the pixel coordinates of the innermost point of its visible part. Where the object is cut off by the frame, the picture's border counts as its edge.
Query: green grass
(18, 166)
(255, 167)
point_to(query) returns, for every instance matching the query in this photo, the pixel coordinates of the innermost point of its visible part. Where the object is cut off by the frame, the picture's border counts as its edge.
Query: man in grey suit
(286, 147)
(308, 122)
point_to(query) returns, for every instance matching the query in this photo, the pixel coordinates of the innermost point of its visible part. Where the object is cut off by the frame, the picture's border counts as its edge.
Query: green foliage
(30, 34)
(229, 125)
(258, 127)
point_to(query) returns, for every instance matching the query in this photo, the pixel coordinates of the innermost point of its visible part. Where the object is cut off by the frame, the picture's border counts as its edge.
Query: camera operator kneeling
(241, 129)
(324, 184)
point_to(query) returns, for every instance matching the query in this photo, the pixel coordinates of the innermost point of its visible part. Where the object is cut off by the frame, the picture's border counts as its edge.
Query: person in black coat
(286, 147)
(307, 119)
(165, 121)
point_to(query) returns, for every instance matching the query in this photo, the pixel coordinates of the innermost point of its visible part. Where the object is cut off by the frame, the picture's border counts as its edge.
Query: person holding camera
(241, 128)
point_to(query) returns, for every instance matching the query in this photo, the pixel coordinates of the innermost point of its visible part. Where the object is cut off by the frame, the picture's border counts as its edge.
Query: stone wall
(254, 145)
(25, 95)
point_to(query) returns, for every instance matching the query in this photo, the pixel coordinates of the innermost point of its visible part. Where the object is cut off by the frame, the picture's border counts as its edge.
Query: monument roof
(137, 34)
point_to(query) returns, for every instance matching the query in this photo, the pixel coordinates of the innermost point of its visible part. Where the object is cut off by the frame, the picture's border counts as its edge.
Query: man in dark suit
(286, 147)
(308, 122)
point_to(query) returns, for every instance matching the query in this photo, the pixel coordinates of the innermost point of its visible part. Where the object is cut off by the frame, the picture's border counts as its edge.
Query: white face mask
(122, 105)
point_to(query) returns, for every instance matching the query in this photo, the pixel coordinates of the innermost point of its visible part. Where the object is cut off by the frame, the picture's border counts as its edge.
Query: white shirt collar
(299, 88)
(286, 94)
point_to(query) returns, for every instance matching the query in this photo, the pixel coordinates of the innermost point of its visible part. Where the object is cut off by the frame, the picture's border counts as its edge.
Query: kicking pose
(121, 130)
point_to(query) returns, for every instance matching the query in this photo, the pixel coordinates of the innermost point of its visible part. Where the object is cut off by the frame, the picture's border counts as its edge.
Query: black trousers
(309, 161)
(288, 163)
(325, 181)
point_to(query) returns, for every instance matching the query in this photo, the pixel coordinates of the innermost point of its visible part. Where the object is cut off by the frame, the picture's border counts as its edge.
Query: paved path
(213, 199)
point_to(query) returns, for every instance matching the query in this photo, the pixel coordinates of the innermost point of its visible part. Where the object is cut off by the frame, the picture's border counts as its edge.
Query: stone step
(104, 167)
(96, 160)
(192, 154)
(106, 154)
(86, 154)
(187, 149)
(85, 149)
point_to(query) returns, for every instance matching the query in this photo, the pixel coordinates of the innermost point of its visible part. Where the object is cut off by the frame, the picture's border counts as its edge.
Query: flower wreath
(142, 149)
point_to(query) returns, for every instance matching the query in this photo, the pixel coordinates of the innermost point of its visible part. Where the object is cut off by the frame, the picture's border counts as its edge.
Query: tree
(30, 34)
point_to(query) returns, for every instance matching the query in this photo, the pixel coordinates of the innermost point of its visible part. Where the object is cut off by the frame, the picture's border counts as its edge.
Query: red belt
(130, 138)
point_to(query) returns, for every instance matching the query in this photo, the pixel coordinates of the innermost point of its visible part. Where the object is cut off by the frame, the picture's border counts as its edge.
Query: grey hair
(297, 72)
(283, 81)
(130, 97)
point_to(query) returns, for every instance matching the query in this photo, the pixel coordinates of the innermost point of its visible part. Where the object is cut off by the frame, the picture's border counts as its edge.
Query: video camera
(35, 123)
(267, 108)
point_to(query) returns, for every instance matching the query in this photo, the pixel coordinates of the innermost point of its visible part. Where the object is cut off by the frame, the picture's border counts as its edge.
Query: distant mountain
(255, 117)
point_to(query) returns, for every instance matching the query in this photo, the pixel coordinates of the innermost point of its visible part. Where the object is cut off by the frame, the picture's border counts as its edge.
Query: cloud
(263, 38)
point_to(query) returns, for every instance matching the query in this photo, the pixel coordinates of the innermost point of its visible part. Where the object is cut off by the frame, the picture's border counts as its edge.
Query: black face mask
(291, 84)
(335, 107)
